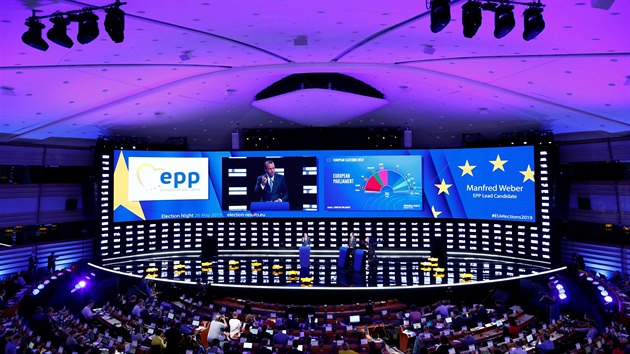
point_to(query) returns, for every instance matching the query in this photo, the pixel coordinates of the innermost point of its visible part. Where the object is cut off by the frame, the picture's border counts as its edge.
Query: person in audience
(137, 309)
(87, 313)
(217, 328)
(415, 316)
(295, 349)
(443, 309)
(499, 308)
(544, 344)
(71, 341)
(445, 345)
(459, 321)
(420, 346)
(214, 347)
(138, 334)
(345, 349)
(291, 323)
(264, 347)
(518, 347)
(591, 330)
(281, 338)
(158, 341)
(235, 326)
(468, 339)
(13, 345)
(173, 337)
(513, 327)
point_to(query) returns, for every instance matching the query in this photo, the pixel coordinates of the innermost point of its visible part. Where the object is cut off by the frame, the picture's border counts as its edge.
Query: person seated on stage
(306, 240)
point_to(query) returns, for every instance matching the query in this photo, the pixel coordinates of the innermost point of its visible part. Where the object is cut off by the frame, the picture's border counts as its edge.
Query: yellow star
(435, 212)
(528, 174)
(443, 187)
(467, 169)
(498, 164)
(121, 191)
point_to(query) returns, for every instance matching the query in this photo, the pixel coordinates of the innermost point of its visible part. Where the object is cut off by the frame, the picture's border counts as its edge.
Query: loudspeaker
(71, 204)
(236, 141)
(407, 138)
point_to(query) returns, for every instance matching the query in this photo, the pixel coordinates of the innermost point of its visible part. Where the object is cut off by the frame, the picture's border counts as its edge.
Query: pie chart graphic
(387, 180)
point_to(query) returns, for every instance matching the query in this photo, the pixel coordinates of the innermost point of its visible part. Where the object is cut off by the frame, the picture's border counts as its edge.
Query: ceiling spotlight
(58, 33)
(440, 15)
(503, 20)
(471, 18)
(115, 24)
(88, 27)
(533, 22)
(33, 36)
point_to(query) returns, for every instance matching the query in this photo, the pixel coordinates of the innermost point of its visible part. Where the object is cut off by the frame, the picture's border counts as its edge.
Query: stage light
(440, 15)
(58, 33)
(471, 18)
(533, 23)
(503, 20)
(88, 27)
(33, 36)
(115, 24)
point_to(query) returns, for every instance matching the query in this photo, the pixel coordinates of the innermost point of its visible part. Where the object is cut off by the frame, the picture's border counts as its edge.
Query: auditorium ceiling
(193, 69)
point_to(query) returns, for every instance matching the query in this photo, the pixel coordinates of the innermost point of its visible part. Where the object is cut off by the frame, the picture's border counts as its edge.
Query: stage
(387, 273)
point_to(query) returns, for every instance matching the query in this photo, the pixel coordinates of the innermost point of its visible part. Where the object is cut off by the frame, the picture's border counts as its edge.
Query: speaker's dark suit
(269, 194)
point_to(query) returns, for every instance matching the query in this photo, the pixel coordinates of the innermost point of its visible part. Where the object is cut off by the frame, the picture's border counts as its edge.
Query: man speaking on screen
(271, 186)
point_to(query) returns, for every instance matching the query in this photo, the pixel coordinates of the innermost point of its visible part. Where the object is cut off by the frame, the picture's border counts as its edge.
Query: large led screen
(487, 183)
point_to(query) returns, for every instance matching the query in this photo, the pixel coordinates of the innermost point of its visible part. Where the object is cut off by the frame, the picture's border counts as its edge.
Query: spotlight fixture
(115, 23)
(503, 20)
(471, 18)
(440, 15)
(88, 27)
(533, 22)
(58, 33)
(33, 36)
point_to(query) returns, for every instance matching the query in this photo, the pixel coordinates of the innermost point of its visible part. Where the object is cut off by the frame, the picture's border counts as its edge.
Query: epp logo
(168, 178)
(179, 178)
